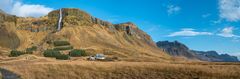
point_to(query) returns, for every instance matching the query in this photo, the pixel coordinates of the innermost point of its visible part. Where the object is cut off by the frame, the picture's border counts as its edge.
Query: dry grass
(52, 69)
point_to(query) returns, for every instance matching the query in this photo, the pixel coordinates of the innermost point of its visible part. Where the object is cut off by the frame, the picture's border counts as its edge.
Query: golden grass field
(34, 67)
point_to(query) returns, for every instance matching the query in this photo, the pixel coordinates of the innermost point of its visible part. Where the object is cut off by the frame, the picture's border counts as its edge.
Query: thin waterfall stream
(60, 20)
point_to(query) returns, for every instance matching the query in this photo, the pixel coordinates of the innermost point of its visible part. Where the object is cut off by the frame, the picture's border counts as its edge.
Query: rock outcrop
(178, 49)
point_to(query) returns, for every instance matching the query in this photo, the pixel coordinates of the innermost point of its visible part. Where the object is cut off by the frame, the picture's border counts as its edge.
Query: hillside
(8, 34)
(83, 31)
(178, 49)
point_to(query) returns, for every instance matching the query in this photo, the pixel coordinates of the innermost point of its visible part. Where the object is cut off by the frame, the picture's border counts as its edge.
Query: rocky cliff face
(76, 17)
(175, 49)
(178, 49)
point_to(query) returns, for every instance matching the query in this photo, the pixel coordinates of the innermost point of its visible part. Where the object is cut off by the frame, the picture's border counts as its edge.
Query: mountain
(83, 31)
(214, 56)
(178, 49)
(175, 49)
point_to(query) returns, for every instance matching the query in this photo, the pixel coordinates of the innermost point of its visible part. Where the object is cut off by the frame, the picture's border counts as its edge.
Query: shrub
(34, 48)
(63, 57)
(63, 48)
(51, 53)
(30, 50)
(15, 53)
(77, 53)
(61, 43)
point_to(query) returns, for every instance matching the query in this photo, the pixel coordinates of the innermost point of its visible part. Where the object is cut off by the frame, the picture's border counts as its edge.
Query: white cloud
(18, 8)
(228, 32)
(189, 32)
(173, 9)
(229, 10)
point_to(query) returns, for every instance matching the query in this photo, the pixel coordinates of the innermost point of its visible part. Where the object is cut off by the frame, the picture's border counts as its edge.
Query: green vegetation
(63, 48)
(15, 53)
(61, 43)
(30, 50)
(34, 48)
(63, 57)
(51, 53)
(58, 46)
(55, 54)
(77, 53)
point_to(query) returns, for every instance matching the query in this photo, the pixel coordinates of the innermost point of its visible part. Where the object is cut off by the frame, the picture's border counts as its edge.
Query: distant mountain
(178, 49)
(175, 49)
(214, 56)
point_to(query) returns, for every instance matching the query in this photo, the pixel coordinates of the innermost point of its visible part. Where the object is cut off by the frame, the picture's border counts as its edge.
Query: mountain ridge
(178, 49)
(175, 49)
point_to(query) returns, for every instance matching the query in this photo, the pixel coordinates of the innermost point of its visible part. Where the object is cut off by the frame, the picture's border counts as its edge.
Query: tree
(51, 53)
(77, 53)
(63, 57)
(15, 53)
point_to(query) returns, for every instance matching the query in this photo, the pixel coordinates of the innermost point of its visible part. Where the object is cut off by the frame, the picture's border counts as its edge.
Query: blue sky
(200, 24)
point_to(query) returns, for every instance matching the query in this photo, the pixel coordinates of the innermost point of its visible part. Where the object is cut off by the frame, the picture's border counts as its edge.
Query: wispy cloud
(229, 10)
(216, 21)
(172, 9)
(188, 32)
(16, 7)
(206, 15)
(227, 32)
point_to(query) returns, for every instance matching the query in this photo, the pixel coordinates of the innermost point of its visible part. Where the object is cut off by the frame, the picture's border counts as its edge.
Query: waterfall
(60, 20)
